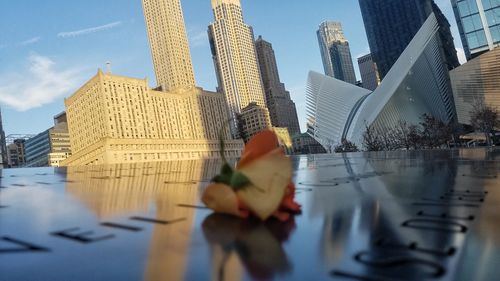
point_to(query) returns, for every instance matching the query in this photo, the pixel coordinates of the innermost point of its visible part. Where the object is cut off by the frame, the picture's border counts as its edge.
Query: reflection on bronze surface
(257, 244)
(112, 191)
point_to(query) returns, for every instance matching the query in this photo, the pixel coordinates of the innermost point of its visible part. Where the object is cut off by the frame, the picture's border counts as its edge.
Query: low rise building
(252, 120)
(476, 82)
(305, 144)
(15, 153)
(50, 147)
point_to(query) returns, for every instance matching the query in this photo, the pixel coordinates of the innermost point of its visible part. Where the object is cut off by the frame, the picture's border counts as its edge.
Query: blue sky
(49, 48)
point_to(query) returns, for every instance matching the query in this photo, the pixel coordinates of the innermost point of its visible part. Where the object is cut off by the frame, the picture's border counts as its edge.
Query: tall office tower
(3, 146)
(335, 52)
(369, 72)
(281, 107)
(391, 24)
(235, 59)
(169, 44)
(479, 25)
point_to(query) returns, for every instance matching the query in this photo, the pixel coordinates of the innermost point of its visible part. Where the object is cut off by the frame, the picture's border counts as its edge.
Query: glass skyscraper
(335, 52)
(391, 24)
(479, 25)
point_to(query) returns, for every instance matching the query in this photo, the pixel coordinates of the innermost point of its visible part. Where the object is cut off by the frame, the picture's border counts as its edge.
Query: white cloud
(40, 84)
(95, 29)
(461, 55)
(197, 36)
(30, 41)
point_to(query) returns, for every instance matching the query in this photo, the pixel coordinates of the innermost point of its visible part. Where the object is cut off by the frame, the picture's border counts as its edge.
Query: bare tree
(346, 146)
(435, 133)
(388, 139)
(402, 135)
(415, 137)
(484, 119)
(371, 140)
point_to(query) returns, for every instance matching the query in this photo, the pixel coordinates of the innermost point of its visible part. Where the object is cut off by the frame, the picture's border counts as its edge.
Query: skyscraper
(416, 85)
(169, 44)
(3, 145)
(281, 107)
(391, 24)
(116, 119)
(479, 25)
(335, 52)
(235, 59)
(369, 72)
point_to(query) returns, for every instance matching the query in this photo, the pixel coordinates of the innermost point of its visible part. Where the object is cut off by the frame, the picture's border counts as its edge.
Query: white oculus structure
(418, 83)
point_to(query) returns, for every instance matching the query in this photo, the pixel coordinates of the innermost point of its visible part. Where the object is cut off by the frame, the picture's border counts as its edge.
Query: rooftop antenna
(108, 67)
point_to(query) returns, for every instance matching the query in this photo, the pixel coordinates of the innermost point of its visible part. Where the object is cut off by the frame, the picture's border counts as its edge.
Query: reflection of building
(391, 24)
(479, 25)
(281, 107)
(169, 44)
(3, 145)
(305, 144)
(115, 119)
(253, 119)
(417, 84)
(369, 72)
(235, 59)
(335, 52)
(50, 147)
(119, 190)
(15, 153)
(477, 81)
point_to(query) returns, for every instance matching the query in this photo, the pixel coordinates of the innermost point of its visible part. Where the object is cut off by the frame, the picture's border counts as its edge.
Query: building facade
(391, 24)
(15, 153)
(476, 82)
(50, 147)
(369, 73)
(281, 107)
(116, 119)
(235, 59)
(284, 139)
(335, 52)
(169, 44)
(305, 144)
(252, 120)
(37, 150)
(416, 85)
(479, 25)
(3, 145)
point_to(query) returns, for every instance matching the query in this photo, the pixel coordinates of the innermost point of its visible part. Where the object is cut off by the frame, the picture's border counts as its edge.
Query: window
(467, 7)
(488, 4)
(495, 33)
(476, 39)
(493, 16)
(472, 23)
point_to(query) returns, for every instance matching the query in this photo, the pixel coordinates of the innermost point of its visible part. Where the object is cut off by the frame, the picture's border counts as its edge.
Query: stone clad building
(116, 119)
(281, 108)
(235, 59)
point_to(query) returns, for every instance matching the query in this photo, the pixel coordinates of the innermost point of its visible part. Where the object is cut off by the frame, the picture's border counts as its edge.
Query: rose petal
(259, 145)
(270, 176)
(221, 198)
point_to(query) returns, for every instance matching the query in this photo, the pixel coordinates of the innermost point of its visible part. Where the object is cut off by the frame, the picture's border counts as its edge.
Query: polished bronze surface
(427, 215)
